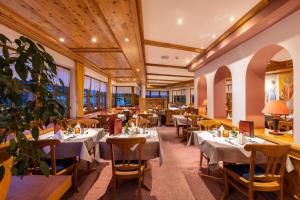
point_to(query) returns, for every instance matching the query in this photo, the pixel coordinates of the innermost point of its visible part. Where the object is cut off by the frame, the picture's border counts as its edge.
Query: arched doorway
(269, 77)
(222, 93)
(202, 90)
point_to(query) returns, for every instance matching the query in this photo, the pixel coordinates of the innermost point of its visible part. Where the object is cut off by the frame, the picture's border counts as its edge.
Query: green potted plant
(36, 71)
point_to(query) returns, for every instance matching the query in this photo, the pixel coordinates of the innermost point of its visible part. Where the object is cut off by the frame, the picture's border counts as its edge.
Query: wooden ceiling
(117, 51)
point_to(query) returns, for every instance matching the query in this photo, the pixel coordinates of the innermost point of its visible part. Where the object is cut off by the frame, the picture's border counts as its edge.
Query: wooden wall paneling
(122, 18)
(76, 21)
(18, 23)
(79, 76)
(148, 103)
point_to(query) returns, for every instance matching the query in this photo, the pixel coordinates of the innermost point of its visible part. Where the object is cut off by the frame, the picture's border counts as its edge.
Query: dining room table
(150, 150)
(229, 150)
(77, 145)
(180, 121)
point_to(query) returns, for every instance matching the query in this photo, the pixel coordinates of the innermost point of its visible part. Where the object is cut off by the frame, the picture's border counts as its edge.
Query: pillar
(109, 94)
(79, 82)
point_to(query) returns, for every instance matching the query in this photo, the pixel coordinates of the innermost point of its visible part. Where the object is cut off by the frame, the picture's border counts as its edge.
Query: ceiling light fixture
(202, 47)
(232, 18)
(213, 36)
(138, 69)
(179, 21)
(61, 39)
(194, 55)
(126, 39)
(94, 39)
(187, 60)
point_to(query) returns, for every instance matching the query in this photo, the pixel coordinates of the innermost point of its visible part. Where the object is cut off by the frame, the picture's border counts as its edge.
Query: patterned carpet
(176, 179)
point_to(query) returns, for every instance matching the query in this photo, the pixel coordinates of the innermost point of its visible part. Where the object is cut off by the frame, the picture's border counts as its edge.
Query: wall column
(79, 81)
(143, 91)
(109, 94)
(132, 96)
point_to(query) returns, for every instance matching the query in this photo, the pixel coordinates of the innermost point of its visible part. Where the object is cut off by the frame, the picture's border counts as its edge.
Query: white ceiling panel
(174, 78)
(200, 19)
(169, 70)
(175, 57)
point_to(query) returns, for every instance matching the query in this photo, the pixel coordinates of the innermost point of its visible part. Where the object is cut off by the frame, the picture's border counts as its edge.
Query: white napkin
(221, 128)
(59, 135)
(132, 125)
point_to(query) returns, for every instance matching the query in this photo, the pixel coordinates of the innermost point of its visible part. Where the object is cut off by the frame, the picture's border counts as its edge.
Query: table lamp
(276, 108)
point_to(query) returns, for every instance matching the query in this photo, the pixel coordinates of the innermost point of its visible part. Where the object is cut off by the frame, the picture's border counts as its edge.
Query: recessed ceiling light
(232, 18)
(202, 47)
(213, 36)
(94, 39)
(187, 60)
(179, 21)
(61, 39)
(138, 69)
(126, 39)
(194, 55)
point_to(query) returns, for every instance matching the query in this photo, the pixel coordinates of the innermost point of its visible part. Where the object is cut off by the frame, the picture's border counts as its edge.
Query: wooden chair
(127, 168)
(87, 122)
(140, 122)
(193, 127)
(56, 166)
(248, 178)
(208, 124)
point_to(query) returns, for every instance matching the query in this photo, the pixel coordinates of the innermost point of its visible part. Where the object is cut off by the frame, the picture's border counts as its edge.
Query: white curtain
(114, 89)
(87, 82)
(192, 91)
(124, 90)
(64, 75)
(137, 91)
(103, 86)
(95, 84)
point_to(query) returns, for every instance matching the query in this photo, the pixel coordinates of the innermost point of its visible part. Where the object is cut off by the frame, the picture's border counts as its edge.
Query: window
(137, 93)
(61, 92)
(114, 91)
(123, 96)
(94, 95)
(192, 96)
(157, 94)
(103, 91)
(179, 97)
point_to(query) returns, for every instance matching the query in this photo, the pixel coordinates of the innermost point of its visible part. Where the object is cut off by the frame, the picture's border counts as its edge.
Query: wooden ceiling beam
(162, 65)
(173, 75)
(116, 68)
(103, 50)
(181, 84)
(173, 46)
(151, 79)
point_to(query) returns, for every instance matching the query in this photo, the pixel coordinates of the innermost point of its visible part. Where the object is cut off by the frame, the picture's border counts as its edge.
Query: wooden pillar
(79, 81)
(132, 96)
(109, 94)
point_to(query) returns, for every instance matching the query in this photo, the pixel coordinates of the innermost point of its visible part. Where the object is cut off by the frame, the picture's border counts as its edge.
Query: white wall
(285, 33)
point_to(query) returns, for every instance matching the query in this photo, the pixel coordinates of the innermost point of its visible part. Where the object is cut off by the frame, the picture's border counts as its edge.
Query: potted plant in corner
(26, 70)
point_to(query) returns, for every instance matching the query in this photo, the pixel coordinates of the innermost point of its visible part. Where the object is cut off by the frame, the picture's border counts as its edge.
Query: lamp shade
(276, 108)
(204, 103)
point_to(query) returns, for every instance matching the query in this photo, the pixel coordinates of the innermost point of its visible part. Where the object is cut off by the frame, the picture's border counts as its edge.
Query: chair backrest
(194, 119)
(140, 122)
(276, 156)
(40, 144)
(118, 126)
(208, 124)
(87, 122)
(145, 116)
(126, 146)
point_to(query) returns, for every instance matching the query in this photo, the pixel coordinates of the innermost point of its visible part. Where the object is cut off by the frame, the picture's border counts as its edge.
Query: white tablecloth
(227, 149)
(78, 144)
(151, 149)
(181, 120)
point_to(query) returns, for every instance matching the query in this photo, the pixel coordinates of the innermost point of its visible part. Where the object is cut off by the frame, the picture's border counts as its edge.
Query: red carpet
(176, 179)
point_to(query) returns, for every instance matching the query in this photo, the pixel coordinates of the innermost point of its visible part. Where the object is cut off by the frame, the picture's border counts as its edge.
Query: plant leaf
(44, 168)
(35, 132)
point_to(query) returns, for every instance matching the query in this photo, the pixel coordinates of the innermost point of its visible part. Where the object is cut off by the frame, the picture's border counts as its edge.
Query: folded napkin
(221, 128)
(59, 135)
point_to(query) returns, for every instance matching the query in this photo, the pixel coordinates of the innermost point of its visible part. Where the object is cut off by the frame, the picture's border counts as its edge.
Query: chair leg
(140, 188)
(114, 187)
(250, 194)
(74, 177)
(201, 159)
(226, 189)
(280, 192)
